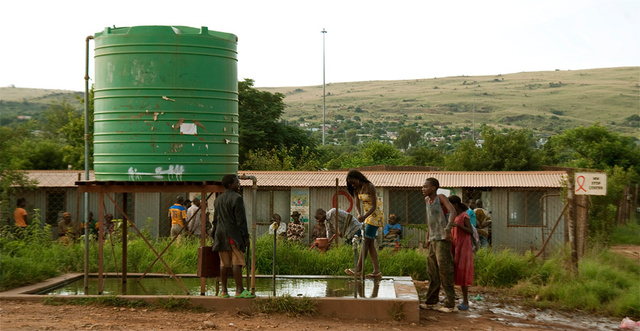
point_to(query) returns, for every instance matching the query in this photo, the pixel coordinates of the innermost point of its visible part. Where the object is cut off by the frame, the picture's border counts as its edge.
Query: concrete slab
(405, 304)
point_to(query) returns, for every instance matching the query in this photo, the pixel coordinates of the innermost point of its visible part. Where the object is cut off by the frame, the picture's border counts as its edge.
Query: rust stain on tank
(176, 148)
(196, 122)
(177, 125)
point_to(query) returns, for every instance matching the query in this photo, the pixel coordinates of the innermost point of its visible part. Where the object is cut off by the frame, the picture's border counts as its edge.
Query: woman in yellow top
(363, 190)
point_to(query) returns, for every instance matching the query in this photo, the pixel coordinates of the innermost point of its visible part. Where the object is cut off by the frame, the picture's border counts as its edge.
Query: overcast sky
(280, 42)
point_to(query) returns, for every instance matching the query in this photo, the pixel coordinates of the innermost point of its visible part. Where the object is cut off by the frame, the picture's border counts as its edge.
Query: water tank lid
(164, 30)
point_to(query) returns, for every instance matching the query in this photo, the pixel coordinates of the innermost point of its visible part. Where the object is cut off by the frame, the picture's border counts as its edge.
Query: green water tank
(166, 104)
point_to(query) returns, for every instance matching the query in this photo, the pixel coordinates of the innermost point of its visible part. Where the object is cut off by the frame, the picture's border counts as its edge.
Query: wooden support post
(336, 213)
(203, 234)
(125, 225)
(582, 224)
(100, 241)
(571, 219)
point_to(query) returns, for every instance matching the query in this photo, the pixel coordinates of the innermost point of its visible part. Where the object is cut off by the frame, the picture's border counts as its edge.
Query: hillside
(545, 102)
(29, 102)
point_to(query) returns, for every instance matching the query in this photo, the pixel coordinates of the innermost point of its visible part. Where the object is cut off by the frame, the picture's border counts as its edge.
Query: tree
(259, 126)
(352, 137)
(427, 156)
(407, 136)
(512, 151)
(381, 153)
(281, 159)
(593, 147)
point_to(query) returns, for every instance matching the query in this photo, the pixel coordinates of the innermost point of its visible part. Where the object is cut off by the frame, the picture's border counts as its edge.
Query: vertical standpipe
(166, 104)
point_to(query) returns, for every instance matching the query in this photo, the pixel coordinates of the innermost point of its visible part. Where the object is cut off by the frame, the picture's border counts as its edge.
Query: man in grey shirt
(348, 225)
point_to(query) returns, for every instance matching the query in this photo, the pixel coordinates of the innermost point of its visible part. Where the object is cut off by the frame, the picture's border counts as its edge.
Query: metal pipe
(86, 167)
(354, 241)
(273, 268)
(253, 230)
(336, 212)
(324, 94)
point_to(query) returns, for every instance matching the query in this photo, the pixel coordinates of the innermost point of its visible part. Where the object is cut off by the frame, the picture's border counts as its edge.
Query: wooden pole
(572, 221)
(582, 224)
(203, 235)
(336, 212)
(100, 240)
(125, 225)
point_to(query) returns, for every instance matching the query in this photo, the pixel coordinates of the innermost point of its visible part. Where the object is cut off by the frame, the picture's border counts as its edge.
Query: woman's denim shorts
(370, 231)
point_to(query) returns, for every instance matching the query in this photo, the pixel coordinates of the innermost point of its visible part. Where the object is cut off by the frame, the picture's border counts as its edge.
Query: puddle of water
(517, 316)
(309, 287)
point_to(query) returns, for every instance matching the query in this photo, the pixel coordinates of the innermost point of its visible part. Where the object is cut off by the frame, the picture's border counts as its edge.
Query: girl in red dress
(462, 250)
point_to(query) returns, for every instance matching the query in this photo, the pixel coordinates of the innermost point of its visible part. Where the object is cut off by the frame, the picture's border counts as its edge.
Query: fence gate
(552, 210)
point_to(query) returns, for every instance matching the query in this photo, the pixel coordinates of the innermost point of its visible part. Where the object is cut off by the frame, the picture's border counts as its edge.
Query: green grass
(628, 234)
(288, 257)
(606, 283)
(500, 269)
(291, 306)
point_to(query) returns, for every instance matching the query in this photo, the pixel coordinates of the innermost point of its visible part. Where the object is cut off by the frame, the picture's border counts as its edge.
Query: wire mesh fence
(522, 219)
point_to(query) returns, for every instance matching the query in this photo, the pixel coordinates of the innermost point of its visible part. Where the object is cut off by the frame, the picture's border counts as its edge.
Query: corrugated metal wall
(407, 204)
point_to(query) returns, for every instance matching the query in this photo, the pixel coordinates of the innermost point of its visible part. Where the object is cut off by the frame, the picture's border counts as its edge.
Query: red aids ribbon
(580, 185)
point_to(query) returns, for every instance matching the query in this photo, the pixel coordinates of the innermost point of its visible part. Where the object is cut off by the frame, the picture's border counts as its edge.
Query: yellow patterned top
(377, 217)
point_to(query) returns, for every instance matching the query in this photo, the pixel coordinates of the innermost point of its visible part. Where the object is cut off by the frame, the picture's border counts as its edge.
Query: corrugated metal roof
(58, 178)
(400, 179)
(396, 179)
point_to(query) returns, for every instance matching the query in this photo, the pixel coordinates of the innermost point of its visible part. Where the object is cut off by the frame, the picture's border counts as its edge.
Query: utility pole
(324, 94)
(474, 116)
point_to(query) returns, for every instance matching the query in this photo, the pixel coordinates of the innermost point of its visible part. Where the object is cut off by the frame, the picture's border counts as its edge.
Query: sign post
(590, 183)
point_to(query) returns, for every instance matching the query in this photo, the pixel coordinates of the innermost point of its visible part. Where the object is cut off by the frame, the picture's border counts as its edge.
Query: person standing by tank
(67, 229)
(20, 213)
(439, 239)
(194, 218)
(178, 214)
(295, 229)
(278, 226)
(231, 235)
(463, 250)
(363, 190)
(484, 223)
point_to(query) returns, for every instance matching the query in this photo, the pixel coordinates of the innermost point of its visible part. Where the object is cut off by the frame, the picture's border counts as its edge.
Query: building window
(408, 206)
(56, 202)
(524, 208)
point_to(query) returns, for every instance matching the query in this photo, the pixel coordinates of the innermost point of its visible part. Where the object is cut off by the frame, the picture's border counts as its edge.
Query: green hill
(29, 102)
(545, 102)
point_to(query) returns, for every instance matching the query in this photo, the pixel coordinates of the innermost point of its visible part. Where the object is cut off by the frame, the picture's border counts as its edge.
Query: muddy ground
(493, 311)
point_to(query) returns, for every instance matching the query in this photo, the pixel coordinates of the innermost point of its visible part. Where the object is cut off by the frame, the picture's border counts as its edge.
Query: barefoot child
(462, 250)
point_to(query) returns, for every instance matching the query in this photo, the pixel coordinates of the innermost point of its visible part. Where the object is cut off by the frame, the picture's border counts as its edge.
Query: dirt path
(17, 315)
(632, 251)
(491, 313)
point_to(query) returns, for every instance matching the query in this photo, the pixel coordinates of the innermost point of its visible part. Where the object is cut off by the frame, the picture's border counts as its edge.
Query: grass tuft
(288, 305)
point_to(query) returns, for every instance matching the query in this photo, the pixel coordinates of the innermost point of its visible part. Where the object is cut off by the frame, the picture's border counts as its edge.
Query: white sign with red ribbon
(591, 183)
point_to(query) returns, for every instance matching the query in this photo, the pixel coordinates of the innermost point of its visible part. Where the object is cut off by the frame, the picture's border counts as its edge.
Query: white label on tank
(188, 128)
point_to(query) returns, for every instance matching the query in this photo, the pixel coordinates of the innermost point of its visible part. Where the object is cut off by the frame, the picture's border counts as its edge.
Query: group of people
(452, 240)
(455, 230)
(68, 229)
(187, 213)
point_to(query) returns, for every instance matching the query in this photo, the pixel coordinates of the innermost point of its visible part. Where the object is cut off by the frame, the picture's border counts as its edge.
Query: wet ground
(494, 305)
